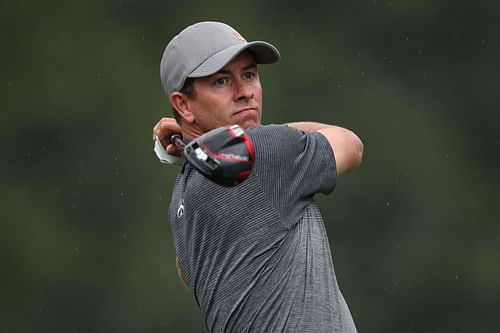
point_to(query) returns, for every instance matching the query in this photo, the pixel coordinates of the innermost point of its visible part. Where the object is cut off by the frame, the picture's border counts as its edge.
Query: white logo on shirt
(180, 210)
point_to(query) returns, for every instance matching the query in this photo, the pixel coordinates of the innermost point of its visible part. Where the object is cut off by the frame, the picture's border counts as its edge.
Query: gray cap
(203, 49)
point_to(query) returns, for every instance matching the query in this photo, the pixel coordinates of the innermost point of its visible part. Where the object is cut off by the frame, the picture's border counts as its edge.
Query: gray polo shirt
(256, 256)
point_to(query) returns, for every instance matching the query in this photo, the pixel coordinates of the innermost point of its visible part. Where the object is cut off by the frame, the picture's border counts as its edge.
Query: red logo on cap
(238, 36)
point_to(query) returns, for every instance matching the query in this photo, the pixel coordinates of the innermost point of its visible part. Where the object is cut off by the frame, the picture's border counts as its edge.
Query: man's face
(231, 96)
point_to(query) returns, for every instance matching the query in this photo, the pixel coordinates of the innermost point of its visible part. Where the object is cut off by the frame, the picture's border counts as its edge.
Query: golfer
(256, 255)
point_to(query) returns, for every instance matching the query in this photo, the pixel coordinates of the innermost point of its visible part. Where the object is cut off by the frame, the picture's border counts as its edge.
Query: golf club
(224, 155)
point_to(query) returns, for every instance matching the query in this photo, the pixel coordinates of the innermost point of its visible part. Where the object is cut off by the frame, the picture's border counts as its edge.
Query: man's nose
(243, 90)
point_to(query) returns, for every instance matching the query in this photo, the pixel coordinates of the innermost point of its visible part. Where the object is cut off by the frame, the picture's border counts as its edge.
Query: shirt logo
(180, 210)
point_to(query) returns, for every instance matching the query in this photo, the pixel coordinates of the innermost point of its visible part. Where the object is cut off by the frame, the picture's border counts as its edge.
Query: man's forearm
(347, 146)
(309, 126)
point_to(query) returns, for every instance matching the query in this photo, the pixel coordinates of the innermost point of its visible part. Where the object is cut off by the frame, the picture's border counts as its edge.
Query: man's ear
(180, 102)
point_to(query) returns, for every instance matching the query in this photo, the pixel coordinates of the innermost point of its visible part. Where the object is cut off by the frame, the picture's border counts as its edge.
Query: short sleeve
(292, 166)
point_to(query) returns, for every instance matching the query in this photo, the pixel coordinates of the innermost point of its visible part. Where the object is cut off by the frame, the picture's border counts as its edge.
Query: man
(255, 256)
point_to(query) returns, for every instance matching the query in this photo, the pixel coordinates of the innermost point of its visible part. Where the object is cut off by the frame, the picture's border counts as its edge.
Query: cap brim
(263, 52)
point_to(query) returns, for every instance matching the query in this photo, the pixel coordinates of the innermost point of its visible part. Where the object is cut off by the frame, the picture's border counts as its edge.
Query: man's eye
(220, 82)
(249, 75)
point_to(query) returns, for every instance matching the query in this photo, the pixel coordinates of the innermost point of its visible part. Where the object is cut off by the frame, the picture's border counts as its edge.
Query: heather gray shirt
(256, 256)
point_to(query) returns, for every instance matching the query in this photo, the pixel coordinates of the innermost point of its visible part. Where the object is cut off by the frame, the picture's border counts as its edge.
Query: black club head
(224, 155)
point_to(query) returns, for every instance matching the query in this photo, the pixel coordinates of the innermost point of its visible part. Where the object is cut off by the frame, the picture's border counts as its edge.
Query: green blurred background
(85, 244)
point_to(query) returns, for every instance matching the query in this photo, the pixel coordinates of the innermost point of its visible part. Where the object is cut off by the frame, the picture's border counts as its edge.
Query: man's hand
(164, 129)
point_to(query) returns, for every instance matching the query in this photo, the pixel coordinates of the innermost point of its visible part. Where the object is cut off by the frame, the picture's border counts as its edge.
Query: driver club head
(224, 155)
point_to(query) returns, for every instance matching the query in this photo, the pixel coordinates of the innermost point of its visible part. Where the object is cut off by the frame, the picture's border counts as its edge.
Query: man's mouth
(245, 109)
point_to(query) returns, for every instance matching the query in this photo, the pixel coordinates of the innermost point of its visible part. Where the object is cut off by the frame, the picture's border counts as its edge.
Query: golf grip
(176, 139)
